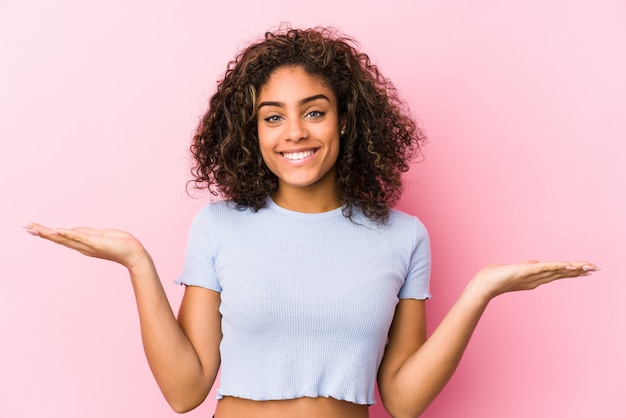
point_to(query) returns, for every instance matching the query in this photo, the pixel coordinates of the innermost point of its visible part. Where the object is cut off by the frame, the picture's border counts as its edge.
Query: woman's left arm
(415, 369)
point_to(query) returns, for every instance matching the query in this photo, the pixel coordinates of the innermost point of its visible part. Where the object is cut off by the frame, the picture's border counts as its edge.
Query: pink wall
(524, 106)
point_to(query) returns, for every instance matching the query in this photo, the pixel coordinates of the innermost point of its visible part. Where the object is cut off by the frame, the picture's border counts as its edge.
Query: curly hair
(381, 136)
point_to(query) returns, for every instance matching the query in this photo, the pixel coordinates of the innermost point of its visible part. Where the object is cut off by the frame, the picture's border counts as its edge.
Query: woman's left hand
(496, 279)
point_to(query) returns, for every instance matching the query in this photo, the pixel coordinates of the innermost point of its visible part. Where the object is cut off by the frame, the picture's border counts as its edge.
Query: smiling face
(298, 129)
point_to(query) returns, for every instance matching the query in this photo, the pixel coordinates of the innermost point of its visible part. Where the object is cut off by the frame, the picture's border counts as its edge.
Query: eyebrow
(300, 103)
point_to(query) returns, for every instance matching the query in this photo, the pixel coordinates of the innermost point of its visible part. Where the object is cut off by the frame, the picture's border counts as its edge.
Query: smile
(295, 156)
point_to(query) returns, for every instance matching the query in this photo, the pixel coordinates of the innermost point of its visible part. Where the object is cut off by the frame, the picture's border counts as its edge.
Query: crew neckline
(303, 215)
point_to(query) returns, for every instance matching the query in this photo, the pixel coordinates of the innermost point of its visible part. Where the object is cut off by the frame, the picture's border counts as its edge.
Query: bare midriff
(231, 407)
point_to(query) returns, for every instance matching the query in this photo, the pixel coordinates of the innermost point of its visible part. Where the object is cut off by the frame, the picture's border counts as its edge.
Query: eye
(315, 114)
(272, 119)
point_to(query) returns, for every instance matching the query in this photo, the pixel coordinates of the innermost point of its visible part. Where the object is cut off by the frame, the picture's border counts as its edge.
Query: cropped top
(307, 299)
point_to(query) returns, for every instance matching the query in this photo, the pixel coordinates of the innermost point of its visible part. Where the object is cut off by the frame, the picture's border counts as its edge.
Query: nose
(296, 130)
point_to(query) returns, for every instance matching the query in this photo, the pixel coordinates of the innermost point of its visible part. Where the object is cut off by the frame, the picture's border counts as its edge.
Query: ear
(342, 126)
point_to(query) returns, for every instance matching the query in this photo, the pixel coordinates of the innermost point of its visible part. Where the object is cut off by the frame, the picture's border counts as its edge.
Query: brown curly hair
(381, 137)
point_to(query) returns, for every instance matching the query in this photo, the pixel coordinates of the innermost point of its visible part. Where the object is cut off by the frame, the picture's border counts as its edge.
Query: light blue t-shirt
(306, 299)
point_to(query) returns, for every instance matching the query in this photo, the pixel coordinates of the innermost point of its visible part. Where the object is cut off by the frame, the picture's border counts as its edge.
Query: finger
(565, 265)
(568, 270)
(114, 233)
(547, 272)
(32, 231)
(86, 230)
(82, 243)
(38, 230)
(547, 268)
(567, 274)
(547, 277)
(77, 246)
(78, 235)
(86, 240)
(64, 237)
(587, 266)
(54, 236)
(582, 265)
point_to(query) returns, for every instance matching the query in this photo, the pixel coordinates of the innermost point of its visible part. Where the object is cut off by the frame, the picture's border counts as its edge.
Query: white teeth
(297, 155)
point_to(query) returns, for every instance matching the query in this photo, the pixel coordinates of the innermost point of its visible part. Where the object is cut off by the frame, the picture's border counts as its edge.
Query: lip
(298, 160)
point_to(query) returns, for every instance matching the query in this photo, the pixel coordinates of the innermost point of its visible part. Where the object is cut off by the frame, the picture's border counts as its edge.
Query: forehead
(293, 82)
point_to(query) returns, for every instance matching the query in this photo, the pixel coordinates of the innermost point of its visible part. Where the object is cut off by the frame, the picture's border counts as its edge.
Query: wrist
(139, 262)
(480, 291)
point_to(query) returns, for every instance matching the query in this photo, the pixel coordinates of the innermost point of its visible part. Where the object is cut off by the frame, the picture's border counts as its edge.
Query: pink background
(524, 104)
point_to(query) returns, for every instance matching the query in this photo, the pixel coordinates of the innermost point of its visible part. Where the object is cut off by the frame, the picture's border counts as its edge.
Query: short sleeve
(199, 266)
(417, 282)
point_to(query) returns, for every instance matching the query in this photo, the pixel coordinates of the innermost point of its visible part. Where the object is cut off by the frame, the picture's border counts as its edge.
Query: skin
(183, 352)
(298, 127)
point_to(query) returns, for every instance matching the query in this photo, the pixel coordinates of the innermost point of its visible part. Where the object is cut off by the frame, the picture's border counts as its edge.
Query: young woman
(302, 282)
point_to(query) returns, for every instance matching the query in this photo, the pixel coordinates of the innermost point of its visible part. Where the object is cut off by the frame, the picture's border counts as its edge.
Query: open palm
(109, 244)
(502, 278)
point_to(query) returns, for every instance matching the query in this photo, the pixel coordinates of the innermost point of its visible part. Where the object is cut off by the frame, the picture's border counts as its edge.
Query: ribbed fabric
(306, 299)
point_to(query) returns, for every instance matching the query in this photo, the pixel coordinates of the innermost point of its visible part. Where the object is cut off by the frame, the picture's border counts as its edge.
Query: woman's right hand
(108, 244)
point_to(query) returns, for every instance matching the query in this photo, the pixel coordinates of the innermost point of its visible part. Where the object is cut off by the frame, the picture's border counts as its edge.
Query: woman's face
(298, 128)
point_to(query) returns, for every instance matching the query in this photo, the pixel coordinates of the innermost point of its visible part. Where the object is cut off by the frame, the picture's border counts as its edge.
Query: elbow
(401, 405)
(182, 407)
(398, 411)
(402, 413)
(186, 396)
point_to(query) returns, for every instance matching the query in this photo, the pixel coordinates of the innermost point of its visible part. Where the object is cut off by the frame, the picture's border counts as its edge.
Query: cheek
(266, 155)
(262, 138)
(266, 148)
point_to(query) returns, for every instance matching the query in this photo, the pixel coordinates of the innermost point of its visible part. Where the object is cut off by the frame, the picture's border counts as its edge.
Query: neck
(316, 198)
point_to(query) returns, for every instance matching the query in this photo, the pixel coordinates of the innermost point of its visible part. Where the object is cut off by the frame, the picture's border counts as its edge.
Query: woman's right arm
(183, 354)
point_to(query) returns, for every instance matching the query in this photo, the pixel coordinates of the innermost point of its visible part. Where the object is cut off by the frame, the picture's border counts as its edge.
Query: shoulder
(403, 219)
(402, 233)
(221, 209)
(218, 206)
(409, 232)
(403, 225)
(214, 216)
